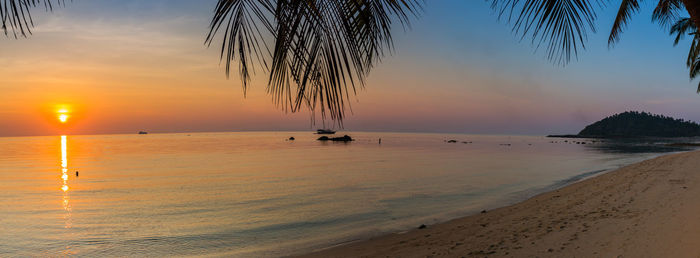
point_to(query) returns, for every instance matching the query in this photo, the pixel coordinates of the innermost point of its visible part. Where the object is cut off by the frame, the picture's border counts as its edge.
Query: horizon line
(280, 131)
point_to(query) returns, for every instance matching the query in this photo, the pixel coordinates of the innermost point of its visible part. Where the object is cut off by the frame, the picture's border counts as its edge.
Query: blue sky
(642, 72)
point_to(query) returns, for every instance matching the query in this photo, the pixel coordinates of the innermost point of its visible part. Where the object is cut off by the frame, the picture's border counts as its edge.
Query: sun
(63, 115)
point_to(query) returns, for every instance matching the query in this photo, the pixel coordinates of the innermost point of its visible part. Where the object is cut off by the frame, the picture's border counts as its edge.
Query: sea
(260, 194)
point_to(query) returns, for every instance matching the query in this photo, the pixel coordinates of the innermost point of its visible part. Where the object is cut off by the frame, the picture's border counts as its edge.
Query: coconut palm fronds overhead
(560, 26)
(683, 27)
(317, 52)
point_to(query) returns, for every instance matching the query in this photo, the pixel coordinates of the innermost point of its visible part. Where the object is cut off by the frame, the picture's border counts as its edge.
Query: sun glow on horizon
(63, 115)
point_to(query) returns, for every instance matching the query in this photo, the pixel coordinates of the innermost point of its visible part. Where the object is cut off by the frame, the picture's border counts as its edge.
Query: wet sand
(648, 209)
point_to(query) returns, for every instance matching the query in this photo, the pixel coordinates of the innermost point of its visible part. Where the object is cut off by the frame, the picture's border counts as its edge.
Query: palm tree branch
(627, 8)
(243, 39)
(667, 11)
(321, 50)
(682, 27)
(16, 18)
(561, 26)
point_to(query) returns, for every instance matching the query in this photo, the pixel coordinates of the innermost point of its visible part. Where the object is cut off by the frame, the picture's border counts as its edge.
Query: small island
(634, 124)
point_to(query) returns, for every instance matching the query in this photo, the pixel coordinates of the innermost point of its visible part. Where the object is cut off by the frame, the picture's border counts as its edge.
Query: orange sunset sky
(125, 66)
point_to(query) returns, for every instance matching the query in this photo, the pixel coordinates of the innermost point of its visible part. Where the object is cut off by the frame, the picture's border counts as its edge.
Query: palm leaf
(16, 18)
(243, 36)
(693, 60)
(322, 50)
(561, 25)
(682, 27)
(627, 8)
(667, 11)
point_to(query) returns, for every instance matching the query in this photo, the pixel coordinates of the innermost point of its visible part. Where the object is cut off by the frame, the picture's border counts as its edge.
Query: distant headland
(634, 124)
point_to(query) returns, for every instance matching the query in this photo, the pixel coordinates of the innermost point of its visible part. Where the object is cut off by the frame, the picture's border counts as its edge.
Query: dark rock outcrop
(345, 138)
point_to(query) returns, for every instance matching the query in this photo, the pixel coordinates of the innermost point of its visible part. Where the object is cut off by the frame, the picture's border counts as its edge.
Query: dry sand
(648, 209)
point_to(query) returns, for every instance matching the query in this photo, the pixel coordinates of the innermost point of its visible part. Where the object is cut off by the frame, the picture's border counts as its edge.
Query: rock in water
(345, 138)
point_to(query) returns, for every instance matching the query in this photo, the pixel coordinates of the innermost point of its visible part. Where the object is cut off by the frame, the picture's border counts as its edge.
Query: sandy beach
(648, 209)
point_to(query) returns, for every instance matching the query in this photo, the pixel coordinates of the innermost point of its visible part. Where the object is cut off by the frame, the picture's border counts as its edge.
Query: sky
(127, 66)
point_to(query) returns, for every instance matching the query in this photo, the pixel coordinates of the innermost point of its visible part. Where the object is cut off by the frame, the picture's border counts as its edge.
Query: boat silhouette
(325, 131)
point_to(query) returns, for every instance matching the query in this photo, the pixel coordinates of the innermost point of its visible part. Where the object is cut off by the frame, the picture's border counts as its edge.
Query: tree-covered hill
(640, 124)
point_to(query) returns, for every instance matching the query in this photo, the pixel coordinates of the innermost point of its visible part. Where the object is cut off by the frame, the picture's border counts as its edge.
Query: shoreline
(643, 209)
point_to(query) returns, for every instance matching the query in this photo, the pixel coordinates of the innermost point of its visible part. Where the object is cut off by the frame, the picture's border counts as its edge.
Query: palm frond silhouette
(683, 27)
(317, 52)
(16, 17)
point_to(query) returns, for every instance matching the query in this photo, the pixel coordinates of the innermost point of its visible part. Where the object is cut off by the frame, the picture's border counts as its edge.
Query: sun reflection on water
(64, 175)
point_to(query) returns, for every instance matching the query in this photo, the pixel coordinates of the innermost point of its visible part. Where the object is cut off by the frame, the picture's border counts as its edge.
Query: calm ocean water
(257, 194)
